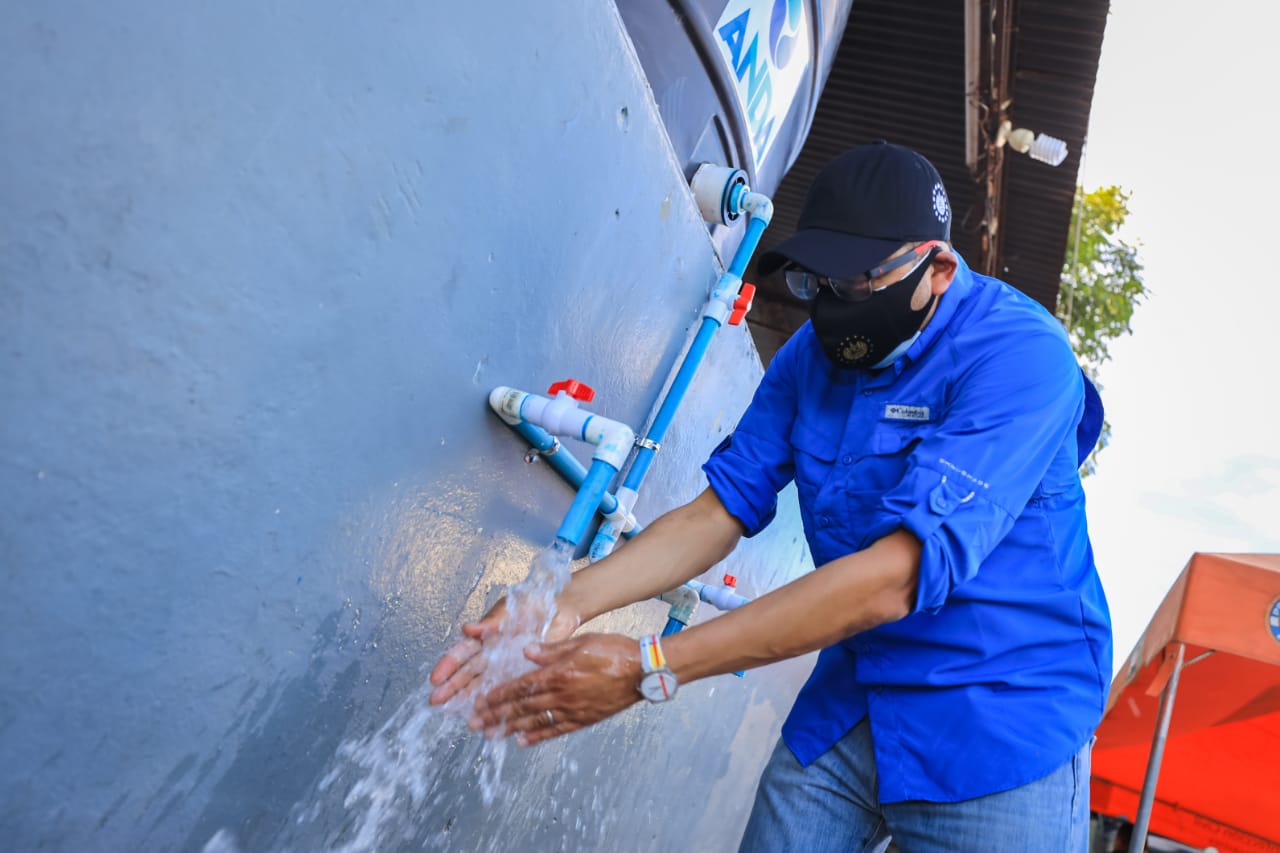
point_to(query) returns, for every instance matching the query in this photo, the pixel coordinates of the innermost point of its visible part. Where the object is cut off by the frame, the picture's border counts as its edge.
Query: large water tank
(737, 81)
(260, 265)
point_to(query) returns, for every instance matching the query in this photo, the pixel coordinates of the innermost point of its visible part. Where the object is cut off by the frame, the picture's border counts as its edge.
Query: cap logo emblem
(941, 207)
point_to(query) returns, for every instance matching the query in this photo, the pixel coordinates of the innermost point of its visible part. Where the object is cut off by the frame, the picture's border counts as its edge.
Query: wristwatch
(658, 684)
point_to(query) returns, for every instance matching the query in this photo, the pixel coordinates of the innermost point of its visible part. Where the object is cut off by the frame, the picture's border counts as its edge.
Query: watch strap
(651, 657)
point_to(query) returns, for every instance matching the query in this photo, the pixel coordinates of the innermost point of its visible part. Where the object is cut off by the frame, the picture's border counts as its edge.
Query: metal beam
(1138, 841)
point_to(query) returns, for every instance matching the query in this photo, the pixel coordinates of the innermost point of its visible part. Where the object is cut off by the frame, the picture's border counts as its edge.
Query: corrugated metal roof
(1055, 64)
(899, 75)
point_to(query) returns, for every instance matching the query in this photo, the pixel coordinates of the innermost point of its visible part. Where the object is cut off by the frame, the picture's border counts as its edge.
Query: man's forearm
(849, 595)
(676, 547)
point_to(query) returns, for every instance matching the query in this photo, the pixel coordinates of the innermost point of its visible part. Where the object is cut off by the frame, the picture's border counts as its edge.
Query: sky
(1182, 118)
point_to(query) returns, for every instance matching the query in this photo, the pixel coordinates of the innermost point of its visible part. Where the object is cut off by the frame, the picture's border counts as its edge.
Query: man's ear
(942, 272)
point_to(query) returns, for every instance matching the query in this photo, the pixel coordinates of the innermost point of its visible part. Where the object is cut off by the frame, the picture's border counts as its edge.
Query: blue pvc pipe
(747, 248)
(593, 485)
(564, 463)
(563, 460)
(586, 501)
(692, 360)
(675, 394)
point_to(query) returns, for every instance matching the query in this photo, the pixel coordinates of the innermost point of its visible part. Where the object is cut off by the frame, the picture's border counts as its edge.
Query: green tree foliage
(1101, 283)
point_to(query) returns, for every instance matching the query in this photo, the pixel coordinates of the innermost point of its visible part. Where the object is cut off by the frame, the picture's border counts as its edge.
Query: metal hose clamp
(535, 452)
(648, 444)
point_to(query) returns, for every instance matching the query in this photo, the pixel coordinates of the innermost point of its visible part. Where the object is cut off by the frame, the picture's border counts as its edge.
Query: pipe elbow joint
(560, 415)
(758, 206)
(506, 402)
(613, 440)
(683, 600)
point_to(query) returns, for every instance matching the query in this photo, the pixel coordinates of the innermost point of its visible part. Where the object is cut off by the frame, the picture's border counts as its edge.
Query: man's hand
(463, 663)
(461, 666)
(580, 681)
(674, 548)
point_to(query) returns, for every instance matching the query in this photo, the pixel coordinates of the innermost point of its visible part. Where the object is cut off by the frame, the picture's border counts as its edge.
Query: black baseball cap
(863, 205)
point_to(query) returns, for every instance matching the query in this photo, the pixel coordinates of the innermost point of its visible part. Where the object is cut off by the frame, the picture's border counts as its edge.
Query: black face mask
(861, 334)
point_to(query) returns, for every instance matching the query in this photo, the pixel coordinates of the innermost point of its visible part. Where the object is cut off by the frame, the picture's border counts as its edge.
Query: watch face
(658, 686)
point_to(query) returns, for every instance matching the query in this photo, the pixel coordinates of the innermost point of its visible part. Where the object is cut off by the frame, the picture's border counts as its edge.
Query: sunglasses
(804, 284)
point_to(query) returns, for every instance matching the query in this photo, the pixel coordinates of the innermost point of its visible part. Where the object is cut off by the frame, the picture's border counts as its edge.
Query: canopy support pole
(1137, 842)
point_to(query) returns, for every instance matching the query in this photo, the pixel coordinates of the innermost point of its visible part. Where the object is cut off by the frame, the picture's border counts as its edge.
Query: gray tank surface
(260, 265)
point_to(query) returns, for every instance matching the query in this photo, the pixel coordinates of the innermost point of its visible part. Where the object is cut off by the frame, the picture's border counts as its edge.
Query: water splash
(221, 842)
(390, 775)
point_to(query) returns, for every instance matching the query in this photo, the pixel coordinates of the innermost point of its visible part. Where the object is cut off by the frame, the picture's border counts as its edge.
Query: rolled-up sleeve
(966, 483)
(754, 463)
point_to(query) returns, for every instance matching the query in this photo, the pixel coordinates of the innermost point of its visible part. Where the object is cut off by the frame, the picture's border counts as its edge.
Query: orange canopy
(1219, 782)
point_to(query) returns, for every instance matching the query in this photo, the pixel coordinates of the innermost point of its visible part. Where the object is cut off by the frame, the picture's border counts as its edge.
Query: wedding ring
(551, 718)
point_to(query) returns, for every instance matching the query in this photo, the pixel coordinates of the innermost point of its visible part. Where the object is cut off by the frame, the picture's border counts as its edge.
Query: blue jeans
(832, 805)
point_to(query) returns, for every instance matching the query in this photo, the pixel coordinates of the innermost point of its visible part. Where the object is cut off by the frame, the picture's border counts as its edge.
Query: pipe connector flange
(717, 190)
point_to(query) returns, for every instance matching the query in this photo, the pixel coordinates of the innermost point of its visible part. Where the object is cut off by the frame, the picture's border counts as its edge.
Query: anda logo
(766, 45)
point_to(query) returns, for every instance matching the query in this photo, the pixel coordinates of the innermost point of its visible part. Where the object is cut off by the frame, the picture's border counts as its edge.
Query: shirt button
(939, 500)
(826, 521)
(848, 459)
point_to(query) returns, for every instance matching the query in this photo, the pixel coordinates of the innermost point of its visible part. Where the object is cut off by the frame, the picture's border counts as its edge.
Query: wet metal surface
(259, 269)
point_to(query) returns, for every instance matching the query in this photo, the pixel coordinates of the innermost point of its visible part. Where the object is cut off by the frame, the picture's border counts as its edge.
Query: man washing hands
(933, 421)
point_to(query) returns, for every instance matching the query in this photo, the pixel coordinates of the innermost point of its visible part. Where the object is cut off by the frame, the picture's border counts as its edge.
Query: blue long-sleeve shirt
(968, 440)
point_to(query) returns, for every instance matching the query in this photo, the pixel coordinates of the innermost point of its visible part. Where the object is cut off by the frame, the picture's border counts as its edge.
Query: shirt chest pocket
(883, 458)
(815, 457)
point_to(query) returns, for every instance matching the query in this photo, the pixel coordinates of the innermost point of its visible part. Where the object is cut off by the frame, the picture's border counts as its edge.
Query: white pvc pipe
(720, 597)
(562, 416)
(615, 524)
(683, 600)
(758, 205)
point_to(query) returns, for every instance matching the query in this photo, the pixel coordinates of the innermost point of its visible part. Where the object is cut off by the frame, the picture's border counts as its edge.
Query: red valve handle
(730, 581)
(742, 304)
(575, 389)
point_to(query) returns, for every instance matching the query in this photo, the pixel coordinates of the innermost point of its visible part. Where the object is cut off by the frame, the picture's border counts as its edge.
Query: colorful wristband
(651, 657)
